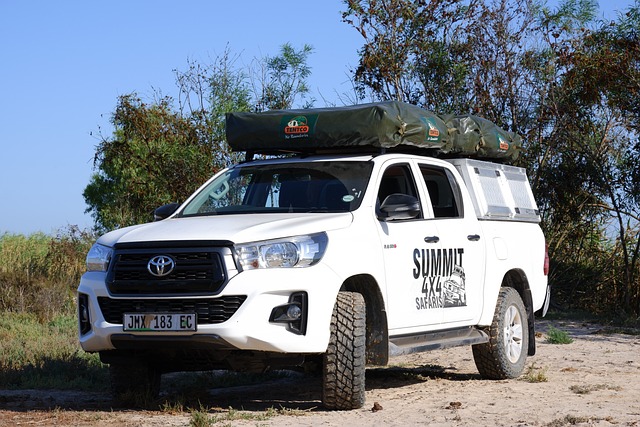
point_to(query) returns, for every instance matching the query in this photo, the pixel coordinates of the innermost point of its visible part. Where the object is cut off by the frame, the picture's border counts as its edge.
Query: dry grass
(39, 273)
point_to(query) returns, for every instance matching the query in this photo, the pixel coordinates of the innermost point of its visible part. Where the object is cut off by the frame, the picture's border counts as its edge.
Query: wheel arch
(376, 321)
(517, 279)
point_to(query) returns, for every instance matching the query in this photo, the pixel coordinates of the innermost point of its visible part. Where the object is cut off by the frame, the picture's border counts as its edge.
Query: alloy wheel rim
(513, 334)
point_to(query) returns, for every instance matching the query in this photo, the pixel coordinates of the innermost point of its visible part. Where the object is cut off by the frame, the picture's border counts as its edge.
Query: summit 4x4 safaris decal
(442, 274)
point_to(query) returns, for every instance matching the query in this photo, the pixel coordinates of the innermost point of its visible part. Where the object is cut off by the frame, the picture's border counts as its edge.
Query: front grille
(197, 271)
(208, 311)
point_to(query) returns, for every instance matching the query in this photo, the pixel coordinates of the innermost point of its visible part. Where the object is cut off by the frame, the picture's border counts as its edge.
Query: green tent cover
(389, 124)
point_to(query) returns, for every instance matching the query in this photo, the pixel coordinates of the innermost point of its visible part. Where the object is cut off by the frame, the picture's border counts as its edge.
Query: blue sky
(64, 63)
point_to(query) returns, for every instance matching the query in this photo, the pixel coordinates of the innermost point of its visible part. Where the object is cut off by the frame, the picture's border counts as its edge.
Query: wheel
(343, 367)
(133, 380)
(505, 354)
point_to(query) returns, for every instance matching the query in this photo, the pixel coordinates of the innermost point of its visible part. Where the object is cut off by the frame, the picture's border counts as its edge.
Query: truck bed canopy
(392, 125)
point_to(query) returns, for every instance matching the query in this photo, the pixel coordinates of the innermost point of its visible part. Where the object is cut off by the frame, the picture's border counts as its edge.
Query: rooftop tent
(474, 136)
(390, 125)
(379, 125)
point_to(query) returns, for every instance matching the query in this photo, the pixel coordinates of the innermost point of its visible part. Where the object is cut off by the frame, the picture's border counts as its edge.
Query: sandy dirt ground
(594, 381)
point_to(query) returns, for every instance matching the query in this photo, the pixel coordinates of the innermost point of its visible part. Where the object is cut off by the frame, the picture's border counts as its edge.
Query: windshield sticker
(443, 278)
(348, 198)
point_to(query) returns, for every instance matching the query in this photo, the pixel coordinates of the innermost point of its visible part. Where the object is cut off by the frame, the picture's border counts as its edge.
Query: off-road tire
(134, 380)
(505, 354)
(343, 367)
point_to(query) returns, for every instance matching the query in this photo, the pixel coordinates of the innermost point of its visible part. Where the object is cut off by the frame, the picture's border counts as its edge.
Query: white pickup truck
(346, 258)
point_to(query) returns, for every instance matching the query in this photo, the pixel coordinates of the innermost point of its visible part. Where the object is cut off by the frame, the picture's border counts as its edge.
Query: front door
(409, 247)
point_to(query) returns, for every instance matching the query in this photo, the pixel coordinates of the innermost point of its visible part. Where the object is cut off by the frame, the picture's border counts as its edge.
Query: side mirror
(399, 206)
(165, 211)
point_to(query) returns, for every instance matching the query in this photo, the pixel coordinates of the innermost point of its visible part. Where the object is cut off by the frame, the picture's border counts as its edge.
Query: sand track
(594, 381)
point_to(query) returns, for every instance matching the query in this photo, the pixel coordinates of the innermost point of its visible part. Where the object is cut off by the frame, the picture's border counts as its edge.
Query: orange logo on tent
(297, 125)
(504, 145)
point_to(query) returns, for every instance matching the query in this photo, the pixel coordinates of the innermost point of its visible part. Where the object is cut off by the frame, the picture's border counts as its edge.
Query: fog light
(84, 315)
(286, 313)
(84, 320)
(293, 314)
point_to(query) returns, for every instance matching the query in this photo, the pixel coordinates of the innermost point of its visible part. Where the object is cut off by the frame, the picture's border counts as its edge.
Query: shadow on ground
(290, 390)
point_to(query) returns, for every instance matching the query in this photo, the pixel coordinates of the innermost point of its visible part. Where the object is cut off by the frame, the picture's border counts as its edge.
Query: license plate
(150, 322)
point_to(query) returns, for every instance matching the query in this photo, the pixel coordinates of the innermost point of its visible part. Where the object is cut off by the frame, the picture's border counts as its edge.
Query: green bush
(556, 336)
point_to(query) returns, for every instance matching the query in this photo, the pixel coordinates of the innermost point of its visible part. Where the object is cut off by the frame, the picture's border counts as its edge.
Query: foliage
(396, 34)
(586, 389)
(533, 374)
(556, 336)
(200, 418)
(590, 161)
(448, 56)
(207, 92)
(46, 355)
(566, 82)
(39, 273)
(285, 79)
(159, 154)
(154, 157)
(24, 256)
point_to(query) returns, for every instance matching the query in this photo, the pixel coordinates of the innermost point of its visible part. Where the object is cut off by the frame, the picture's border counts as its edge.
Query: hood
(233, 228)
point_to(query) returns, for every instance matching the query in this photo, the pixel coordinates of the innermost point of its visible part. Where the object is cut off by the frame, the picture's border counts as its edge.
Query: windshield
(336, 186)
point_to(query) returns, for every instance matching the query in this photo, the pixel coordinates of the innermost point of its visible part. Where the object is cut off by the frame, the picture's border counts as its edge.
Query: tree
(395, 34)
(604, 75)
(448, 56)
(283, 78)
(160, 154)
(155, 156)
(207, 92)
(584, 157)
(563, 80)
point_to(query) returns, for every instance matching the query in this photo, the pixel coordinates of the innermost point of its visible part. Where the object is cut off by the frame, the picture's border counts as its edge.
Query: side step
(407, 344)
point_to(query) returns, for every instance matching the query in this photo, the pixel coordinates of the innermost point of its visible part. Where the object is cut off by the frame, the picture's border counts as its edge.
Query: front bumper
(248, 328)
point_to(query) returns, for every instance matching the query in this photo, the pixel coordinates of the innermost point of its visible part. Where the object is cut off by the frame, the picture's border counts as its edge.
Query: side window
(446, 199)
(397, 179)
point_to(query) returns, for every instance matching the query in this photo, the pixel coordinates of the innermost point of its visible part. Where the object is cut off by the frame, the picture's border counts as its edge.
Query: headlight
(299, 251)
(98, 258)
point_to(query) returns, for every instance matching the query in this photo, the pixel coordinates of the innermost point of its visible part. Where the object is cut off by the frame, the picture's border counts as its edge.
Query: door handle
(473, 237)
(432, 239)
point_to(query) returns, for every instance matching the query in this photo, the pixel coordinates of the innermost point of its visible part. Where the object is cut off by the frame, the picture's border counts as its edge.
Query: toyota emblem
(161, 265)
